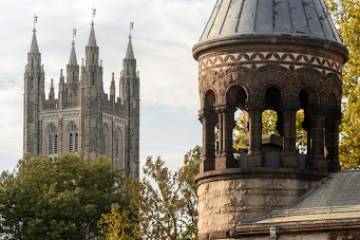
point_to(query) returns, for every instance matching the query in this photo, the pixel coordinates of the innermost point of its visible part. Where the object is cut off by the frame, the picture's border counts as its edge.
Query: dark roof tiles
(306, 18)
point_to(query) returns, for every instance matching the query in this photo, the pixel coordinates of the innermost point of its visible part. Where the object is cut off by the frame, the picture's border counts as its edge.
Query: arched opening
(52, 139)
(303, 121)
(301, 133)
(237, 98)
(73, 137)
(209, 121)
(117, 148)
(272, 118)
(106, 140)
(235, 120)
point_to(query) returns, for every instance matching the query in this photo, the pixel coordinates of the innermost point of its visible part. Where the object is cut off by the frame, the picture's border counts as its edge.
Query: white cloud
(165, 31)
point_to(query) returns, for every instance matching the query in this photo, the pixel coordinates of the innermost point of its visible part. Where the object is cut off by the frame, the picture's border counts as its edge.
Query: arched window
(106, 140)
(117, 144)
(52, 139)
(73, 137)
(236, 100)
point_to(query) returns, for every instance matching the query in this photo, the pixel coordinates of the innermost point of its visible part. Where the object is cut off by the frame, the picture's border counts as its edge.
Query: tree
(347, 16)
(166, 200)
(119, 224)
(61, 200)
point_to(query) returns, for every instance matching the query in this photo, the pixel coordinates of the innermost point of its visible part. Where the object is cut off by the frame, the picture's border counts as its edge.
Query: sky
(163, 36)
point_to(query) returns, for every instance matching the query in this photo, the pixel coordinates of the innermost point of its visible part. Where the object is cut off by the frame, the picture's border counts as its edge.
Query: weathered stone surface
(225, 204)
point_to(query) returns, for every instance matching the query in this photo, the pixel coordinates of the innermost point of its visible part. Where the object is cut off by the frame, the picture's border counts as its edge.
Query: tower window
(73, 141)
(52, 140)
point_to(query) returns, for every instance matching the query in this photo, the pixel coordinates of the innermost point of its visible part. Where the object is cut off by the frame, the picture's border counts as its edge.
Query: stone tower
(83, 118)
(34, 96)
(91, 85)
(257, 55)
(130, 92)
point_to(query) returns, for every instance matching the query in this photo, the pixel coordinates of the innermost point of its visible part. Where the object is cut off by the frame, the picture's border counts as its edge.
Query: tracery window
(106, 140)
(73, 137)
(52, 139)
(117, 144)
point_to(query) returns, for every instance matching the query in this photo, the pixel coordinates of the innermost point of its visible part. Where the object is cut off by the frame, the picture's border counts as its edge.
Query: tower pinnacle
(130, 51)
(73, 60)
(34, 45)
(92, 39)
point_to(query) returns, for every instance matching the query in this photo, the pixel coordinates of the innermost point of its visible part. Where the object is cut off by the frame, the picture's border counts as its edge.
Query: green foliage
(167, 201)
(61, 200)
(347, 16)
(118, 224)
(269, 120)
(239, 131)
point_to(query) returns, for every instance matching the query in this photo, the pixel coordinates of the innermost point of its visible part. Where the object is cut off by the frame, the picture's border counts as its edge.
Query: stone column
(208, 162)
(289, 154)
(226, 159)
(255, 136)
(221, 132)
(332, 141)
(317, 141)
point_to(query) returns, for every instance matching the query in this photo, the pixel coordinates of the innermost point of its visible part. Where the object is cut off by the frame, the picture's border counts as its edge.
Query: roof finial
(131, 28)
(93, 15)
(74, 34)
(35, 22)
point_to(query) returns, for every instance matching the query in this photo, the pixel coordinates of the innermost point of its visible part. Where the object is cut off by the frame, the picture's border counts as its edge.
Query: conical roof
(92, 38)
(73, 60)
(34, 45)
(298, 18)
(129, 50)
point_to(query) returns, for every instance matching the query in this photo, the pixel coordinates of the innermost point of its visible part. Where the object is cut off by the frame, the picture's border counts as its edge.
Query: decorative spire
(52, 86)
(34, 45)
(113, 81)
(92, 39)
(130, 51)
(73, 60)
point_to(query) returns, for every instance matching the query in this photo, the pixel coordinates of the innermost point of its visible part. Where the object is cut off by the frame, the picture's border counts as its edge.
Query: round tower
(256, 55)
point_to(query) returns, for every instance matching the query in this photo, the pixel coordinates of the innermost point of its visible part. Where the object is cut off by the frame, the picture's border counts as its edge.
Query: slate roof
(298, 18)
(337, 197)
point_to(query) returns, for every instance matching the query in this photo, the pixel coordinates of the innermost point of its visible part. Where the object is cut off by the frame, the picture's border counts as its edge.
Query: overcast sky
(164, 33)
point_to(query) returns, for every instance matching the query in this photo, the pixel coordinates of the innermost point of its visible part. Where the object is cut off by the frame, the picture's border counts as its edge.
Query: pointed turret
(130, 51)
(72, 69)
(73, 60)
(52, 91)
(112, 87)
(92, 38)
(34, 45)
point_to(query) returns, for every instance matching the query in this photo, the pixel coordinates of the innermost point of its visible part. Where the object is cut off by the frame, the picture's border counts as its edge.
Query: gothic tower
(83, 118)
(91, 96)
(34, 96)
(130, 97)
(257, 55)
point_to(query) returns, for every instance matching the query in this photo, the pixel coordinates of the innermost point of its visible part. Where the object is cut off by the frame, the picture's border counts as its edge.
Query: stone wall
(224, 204)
